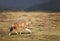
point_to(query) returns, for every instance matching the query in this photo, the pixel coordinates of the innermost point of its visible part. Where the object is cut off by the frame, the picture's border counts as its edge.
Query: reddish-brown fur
(20, 25)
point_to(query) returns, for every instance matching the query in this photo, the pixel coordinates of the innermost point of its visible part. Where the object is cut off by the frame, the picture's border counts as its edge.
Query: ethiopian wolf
(20, 26)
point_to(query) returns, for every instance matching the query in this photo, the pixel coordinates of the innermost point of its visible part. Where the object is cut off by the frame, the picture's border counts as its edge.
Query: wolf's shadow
(19, 33)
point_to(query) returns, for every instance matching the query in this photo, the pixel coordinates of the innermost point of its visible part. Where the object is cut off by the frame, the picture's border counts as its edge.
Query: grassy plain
(45, 26)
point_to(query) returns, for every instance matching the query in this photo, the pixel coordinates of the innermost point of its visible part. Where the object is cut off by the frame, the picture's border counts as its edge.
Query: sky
(22, 4)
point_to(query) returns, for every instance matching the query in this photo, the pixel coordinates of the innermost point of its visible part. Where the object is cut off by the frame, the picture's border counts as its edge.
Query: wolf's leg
(28, 30)
(16, 31)
(10, 33)
(20, 33)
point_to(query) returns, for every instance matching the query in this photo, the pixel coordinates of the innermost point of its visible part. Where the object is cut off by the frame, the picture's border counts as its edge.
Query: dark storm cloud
(22, 4)
(51, 5)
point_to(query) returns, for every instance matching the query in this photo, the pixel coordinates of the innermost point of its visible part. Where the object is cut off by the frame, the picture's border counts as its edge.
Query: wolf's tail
(11, 29)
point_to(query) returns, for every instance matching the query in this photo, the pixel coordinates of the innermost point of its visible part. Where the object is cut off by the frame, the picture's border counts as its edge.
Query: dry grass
(45, 26)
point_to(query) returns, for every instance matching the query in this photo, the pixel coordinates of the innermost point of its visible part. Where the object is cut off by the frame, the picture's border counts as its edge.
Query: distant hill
(52, 5)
